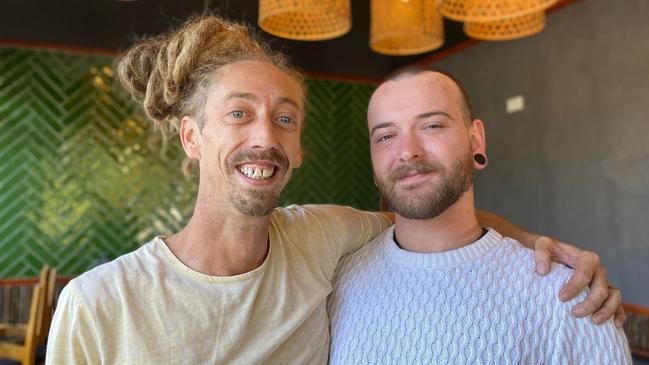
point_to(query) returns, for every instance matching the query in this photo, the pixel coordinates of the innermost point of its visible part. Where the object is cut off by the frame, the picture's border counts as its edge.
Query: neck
(220, 241)
(456, 227)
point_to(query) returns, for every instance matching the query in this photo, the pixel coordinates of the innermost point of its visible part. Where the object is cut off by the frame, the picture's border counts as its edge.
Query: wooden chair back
(25, 352)
(14, 329)
(40, 315)
(22, 339)
(48, 309)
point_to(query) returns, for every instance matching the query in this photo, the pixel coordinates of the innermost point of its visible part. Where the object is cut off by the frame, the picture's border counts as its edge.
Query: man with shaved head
(437, 287)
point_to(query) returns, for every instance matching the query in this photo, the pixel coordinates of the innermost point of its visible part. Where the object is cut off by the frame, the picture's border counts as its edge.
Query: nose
(410, 148)
(263, 135)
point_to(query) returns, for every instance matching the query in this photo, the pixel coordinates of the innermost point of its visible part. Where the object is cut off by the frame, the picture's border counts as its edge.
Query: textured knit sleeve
(72, 338)
(582, 342)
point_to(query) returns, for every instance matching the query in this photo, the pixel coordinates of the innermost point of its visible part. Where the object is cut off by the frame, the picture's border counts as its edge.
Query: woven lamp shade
(508, 29)
(306, 20)
(491, 10)
(405, 27)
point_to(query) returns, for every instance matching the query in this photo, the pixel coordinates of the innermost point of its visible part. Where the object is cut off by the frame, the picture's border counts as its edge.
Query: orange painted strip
(640, 352)
(560, 4)
(636, 309)
(59, 47)
(114, 53)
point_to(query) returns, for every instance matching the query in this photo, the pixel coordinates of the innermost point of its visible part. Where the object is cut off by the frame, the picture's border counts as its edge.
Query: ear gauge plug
(480, 158)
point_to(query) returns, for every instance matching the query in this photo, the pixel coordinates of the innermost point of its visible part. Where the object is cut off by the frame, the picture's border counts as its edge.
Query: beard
(256, 202)
(426, 202)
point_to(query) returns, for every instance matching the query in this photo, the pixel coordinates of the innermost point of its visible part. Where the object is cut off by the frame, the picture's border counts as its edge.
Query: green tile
(84, 177)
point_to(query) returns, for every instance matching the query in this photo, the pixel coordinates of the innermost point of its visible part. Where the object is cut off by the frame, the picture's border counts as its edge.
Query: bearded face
(429, 198)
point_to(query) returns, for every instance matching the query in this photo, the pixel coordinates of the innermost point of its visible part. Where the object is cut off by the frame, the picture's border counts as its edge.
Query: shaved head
(467, 111)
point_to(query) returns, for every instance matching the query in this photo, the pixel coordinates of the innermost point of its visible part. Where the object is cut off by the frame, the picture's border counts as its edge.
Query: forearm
(507, 228)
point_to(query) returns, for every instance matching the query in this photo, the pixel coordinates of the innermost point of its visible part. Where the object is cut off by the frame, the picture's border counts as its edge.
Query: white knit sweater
(480, 304)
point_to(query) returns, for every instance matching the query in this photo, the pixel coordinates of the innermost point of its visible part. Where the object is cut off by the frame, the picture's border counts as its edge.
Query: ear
(478, 141)
(300, 157)
(190, 137)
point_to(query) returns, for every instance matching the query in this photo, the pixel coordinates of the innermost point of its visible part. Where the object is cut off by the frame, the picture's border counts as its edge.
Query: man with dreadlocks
(242, 282)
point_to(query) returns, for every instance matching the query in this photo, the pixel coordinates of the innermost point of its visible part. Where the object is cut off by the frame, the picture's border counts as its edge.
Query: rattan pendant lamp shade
(508, 29)
(405, 27)
(305, 20)
(491, 10)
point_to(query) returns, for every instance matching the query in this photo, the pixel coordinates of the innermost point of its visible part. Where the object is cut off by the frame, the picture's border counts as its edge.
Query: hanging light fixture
(508, 29)
(306, 20)
(405, 27)
(491, 10)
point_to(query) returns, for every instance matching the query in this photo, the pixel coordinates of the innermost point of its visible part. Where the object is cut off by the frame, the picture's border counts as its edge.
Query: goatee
(257, 202)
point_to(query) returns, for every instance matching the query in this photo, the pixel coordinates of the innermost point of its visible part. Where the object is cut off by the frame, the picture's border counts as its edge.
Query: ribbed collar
(438, 260)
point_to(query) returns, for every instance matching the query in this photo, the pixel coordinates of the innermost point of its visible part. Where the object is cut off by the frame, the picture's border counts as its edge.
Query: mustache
(419, 167)
(275, 156)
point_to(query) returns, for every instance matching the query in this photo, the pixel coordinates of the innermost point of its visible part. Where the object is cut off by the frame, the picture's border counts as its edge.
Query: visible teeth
(257, 172)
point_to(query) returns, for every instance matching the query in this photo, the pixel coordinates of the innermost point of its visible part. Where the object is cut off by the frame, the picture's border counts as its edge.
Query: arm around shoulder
(362, 227)
(351, 228)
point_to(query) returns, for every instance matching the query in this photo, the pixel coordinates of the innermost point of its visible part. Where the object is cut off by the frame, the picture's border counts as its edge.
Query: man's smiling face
(250, 139)
(420, 144)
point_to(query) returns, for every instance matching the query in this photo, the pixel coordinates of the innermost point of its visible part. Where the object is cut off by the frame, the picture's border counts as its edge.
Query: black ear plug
(480, 158)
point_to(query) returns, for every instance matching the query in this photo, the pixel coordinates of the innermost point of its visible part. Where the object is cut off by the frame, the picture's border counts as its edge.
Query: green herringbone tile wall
(337, 167)
(84, 177)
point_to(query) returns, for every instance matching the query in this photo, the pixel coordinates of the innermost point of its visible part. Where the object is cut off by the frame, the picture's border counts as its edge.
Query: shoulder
(512, 269)
(558, 273)
(575, 340)
(518, 261)
(108, 279)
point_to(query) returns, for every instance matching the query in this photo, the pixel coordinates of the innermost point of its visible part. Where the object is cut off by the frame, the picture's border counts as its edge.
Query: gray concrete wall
(575, 162)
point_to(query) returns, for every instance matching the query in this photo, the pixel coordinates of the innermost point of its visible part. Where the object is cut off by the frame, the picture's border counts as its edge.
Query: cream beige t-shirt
(147, 307)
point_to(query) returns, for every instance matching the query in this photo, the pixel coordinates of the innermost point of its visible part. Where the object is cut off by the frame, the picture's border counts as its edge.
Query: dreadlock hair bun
(169, 73)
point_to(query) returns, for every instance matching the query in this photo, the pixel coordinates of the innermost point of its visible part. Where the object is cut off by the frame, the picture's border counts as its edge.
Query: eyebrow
(251, 96)
(433, 113)
(420, 116)
(379, 126)
(234, 95)
(285, 100)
